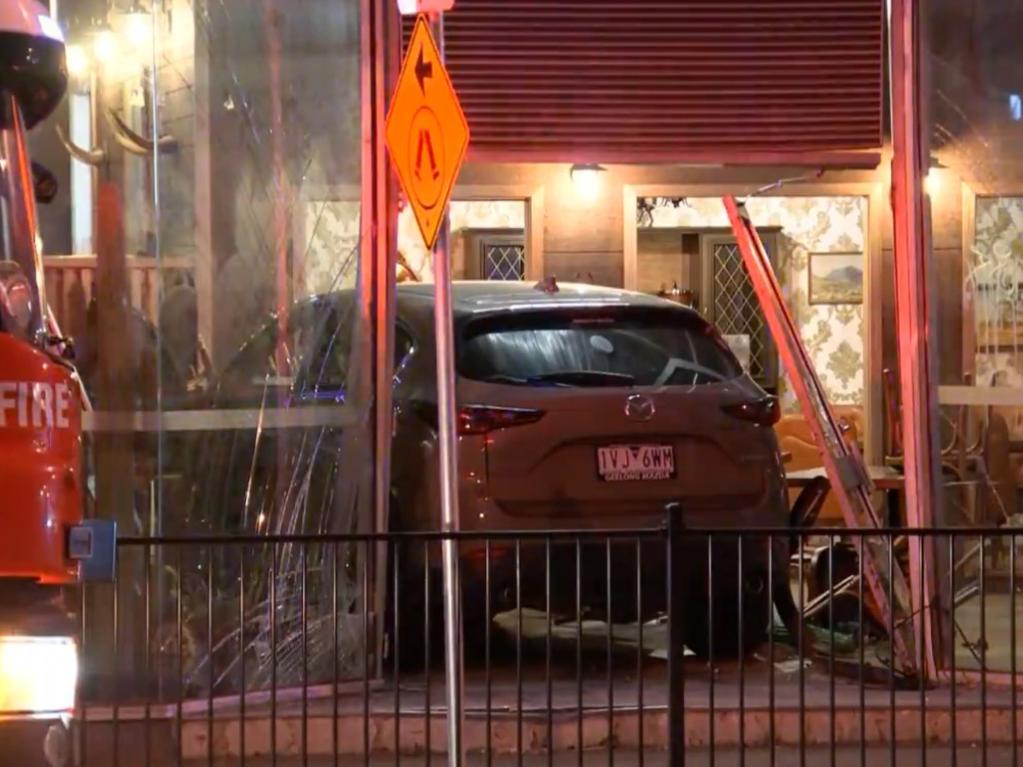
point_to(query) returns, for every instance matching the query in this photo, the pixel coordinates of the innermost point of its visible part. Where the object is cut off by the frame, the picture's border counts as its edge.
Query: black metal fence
(697, 646)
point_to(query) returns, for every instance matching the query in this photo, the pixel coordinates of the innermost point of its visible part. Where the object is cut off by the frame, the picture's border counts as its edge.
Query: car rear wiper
(584, 378)
(506, 379)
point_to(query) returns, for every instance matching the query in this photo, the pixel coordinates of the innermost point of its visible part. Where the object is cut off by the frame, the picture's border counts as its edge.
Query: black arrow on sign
(424, 71)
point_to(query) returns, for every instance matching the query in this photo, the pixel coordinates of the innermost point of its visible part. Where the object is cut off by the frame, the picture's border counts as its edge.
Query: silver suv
(586, 407)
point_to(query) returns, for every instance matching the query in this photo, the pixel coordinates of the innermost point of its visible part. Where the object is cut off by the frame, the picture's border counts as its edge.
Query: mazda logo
(639, 407)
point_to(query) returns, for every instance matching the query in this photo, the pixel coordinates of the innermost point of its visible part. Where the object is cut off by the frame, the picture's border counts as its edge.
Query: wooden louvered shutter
(722, 81)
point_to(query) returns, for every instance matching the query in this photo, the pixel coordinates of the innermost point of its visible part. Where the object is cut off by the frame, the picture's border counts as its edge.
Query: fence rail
(677, 643)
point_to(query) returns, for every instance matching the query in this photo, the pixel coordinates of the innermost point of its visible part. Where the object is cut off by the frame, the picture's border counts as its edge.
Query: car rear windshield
(623, 347)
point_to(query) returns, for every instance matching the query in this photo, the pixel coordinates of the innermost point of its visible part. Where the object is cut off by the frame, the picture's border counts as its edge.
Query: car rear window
(564, 348)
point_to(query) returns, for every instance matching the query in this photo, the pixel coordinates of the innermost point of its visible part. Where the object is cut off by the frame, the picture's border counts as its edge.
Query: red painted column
(915, 301)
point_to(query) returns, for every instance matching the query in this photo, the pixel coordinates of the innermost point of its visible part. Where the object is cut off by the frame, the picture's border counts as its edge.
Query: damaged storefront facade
(227, 214)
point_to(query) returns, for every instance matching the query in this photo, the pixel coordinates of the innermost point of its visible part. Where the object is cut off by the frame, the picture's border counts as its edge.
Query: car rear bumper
(628, 572)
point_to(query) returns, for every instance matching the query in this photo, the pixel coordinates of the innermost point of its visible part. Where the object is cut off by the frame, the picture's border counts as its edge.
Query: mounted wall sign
(427, 133)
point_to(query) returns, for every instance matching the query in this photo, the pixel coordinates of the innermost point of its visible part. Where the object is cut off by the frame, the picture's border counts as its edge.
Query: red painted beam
(914, 305)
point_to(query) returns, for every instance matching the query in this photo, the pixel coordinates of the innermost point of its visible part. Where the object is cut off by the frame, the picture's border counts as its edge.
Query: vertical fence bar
(954, 692)
(396, 649)
(486, 654)
(304, 614)
(710, 647)
(610, 657)
(861, 550)
(427, 649)
(518, 650)
(742, 653)
(1012, 651)
(148, 587)
(831, 651)
(209, 656)
(579, 649)
(369, 549)
(921, 656)
(891, 649)
(801, 651)
(771, 756)
(676, 637)
(242, 691)
(547, 658)
(983, 650)
(334, 631)
(273, 654)
(115, 708)
(180, 654)
(83, 708)
(641, 708)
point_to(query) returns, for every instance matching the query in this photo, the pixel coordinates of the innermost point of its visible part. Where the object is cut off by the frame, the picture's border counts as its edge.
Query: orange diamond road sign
(427, 133)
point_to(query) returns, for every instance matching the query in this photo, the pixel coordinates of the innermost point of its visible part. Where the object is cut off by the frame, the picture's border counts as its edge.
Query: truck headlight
(38, 675)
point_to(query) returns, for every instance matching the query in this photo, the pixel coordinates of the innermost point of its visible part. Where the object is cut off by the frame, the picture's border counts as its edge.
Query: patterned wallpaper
(330, 233)
(832, 333)
(329, 238)
(995, 280)
(468, 214)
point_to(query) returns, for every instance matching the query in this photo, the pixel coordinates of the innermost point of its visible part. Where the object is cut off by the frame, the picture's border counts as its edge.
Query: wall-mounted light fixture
(77, 61)
(410, 7)
(138, 27)
(586, 178)
(933, 179)
(105, 46)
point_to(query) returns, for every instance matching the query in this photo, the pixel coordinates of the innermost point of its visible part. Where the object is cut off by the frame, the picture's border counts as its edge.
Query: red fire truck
(40, 410)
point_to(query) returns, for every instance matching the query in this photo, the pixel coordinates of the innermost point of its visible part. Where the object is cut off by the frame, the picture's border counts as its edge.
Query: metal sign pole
(427, 137)
(444, 335)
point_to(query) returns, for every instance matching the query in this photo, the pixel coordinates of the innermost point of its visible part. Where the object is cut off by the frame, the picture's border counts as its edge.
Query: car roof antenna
(548, 285)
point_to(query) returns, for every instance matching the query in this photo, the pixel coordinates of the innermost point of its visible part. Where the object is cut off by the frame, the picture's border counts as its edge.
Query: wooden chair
(796, 439)
(975, 456)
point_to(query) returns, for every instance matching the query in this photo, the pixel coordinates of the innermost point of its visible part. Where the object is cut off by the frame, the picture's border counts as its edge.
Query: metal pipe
(444, 335)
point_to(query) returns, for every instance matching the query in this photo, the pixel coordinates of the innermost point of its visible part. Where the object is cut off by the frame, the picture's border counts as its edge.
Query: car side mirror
(44, 183)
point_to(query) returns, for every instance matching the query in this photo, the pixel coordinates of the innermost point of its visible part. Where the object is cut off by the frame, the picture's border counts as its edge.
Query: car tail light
(764, 412)
(479, 419)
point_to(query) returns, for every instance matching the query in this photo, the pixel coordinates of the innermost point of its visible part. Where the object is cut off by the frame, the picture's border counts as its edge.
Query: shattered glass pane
(229, 333)
(972, 55)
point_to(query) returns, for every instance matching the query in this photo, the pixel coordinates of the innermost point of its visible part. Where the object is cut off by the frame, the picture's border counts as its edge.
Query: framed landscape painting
(836, 278)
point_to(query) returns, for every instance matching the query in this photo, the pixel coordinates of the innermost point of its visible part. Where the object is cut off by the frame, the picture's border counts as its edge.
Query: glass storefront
(219, 307)
(207, 255)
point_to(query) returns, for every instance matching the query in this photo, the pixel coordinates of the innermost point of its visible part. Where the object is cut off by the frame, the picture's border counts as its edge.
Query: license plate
(625, 463)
